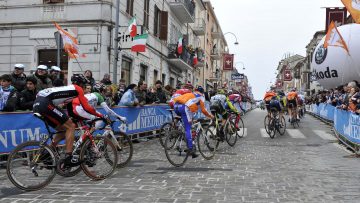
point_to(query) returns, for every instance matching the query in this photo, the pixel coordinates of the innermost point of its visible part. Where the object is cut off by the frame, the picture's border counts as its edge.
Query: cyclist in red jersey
(46, 104)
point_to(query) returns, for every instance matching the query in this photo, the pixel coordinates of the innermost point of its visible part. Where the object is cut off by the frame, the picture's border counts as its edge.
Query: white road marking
(324, 135)
(264, 133)
(295, 133)
(245, 132)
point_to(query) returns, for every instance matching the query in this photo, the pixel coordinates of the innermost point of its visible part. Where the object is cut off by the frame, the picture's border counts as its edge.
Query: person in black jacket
(160, 93)
(18, 77)
(28, 95)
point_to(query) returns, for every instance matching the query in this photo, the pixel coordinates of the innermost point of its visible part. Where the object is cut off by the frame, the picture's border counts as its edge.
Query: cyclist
(187, 88)
(267, 98)
(236, 101)
(292, 97)
(94, 99)
(220, 102)
(186, 106)
(300, 101)
(46, 104)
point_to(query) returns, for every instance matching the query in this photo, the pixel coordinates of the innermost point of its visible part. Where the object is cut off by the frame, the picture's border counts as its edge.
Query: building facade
(27, 36)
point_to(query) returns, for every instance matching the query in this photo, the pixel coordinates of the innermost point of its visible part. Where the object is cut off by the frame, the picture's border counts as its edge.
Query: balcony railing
(199, 26)
(183, 9)
(185, 57)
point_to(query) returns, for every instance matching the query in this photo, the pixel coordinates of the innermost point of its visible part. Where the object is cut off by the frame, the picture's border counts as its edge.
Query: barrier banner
(326, 111)
(16, 128)
(348, 125)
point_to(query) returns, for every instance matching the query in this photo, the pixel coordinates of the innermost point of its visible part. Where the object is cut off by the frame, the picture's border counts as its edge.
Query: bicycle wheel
(60, 169)
(272, 128)
(176, 150)
(124, 148)
(207, 144)
(213, 131)
(31, 166)
(98, 163)
(230, 133)
(266, 123)
(241, 128)
(164, 131)
(282, 127)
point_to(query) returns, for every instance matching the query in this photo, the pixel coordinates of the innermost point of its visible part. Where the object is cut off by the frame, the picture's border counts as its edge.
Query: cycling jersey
(269, 95)
(235, 98)
(292, 95)
(275, 103)
(177, 94)
(65, 94)
(192, 100)
(221, 102)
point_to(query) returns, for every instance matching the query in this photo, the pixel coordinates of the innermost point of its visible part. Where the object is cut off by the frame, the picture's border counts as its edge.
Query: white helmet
(55, 68)
(42, 67)
(19, 65)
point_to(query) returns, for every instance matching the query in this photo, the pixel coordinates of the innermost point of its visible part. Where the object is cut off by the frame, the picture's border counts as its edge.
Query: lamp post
(236, 41)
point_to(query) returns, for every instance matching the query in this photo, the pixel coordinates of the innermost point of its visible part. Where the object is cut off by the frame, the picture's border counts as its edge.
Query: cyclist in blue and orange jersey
(187, 88)
(186, 106)
(292, 100)
(267, 99)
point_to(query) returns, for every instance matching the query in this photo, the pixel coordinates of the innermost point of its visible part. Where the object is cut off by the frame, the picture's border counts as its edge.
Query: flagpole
(116, 42)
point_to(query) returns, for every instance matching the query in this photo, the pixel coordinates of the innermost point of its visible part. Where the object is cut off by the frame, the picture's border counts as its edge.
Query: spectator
(129, 98)
(121, 90)
(109, 95)
(106, 80)
(41, 75)
(151, 95)
(28, 95)
(54, 73)
(88, 74)
(160, 93)
(168, 92)
(8, 94)
(141, 93)
(18, 77)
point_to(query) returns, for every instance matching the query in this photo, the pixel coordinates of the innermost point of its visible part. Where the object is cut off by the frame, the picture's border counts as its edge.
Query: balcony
(184, 10)
(215, 54)
(199, 27)
(215, 34)
(183, 61)
(214, 77)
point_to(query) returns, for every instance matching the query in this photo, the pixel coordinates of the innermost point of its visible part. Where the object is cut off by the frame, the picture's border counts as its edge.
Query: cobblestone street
(304, 165)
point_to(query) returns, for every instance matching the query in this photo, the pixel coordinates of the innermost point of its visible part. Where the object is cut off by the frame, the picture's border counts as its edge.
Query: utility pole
(116, 42)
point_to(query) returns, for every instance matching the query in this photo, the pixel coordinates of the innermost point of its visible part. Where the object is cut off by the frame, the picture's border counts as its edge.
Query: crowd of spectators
(18, 91)
(346, 97)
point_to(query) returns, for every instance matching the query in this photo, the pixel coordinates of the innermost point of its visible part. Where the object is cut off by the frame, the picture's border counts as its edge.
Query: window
(48, 57)
(163, 79)
(155, 76)
(125, 70)
(157, 17)
(130, 7)
(208, 17)
(53, 1)
(172, 82)
(146, 13)
(143, 73)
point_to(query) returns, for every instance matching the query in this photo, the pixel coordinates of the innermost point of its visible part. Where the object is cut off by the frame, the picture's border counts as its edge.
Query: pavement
(305, 165)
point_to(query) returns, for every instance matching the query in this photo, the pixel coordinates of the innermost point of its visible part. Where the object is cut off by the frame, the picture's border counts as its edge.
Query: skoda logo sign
(320, 54)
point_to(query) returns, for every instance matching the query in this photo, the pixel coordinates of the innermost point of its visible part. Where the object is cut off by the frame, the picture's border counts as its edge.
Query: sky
(267, 30)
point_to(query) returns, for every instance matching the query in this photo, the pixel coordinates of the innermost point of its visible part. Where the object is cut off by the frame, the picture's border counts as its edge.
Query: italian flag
(139, 43)
(180, 46)
(195, 60)
(132, 27)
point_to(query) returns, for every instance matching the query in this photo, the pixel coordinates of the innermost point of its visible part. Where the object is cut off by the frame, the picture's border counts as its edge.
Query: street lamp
(241, 63)
(236, 41)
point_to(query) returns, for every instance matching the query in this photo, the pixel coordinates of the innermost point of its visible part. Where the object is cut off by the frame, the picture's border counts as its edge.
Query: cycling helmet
(188, 86)
(200, 89)
(79, 79)
(98, 87)
(221, 91)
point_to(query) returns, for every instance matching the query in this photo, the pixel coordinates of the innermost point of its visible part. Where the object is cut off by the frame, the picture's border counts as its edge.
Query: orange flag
(353, 6)
(71, 45)
(334, 38)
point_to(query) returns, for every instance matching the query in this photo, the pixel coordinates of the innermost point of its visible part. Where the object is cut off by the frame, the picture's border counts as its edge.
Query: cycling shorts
(54, 115)
(292, 103)
(275, 104)
(219, 109)
(267, 105)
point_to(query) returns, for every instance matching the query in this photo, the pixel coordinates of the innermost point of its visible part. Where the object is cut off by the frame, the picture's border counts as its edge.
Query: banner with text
(16, 128)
